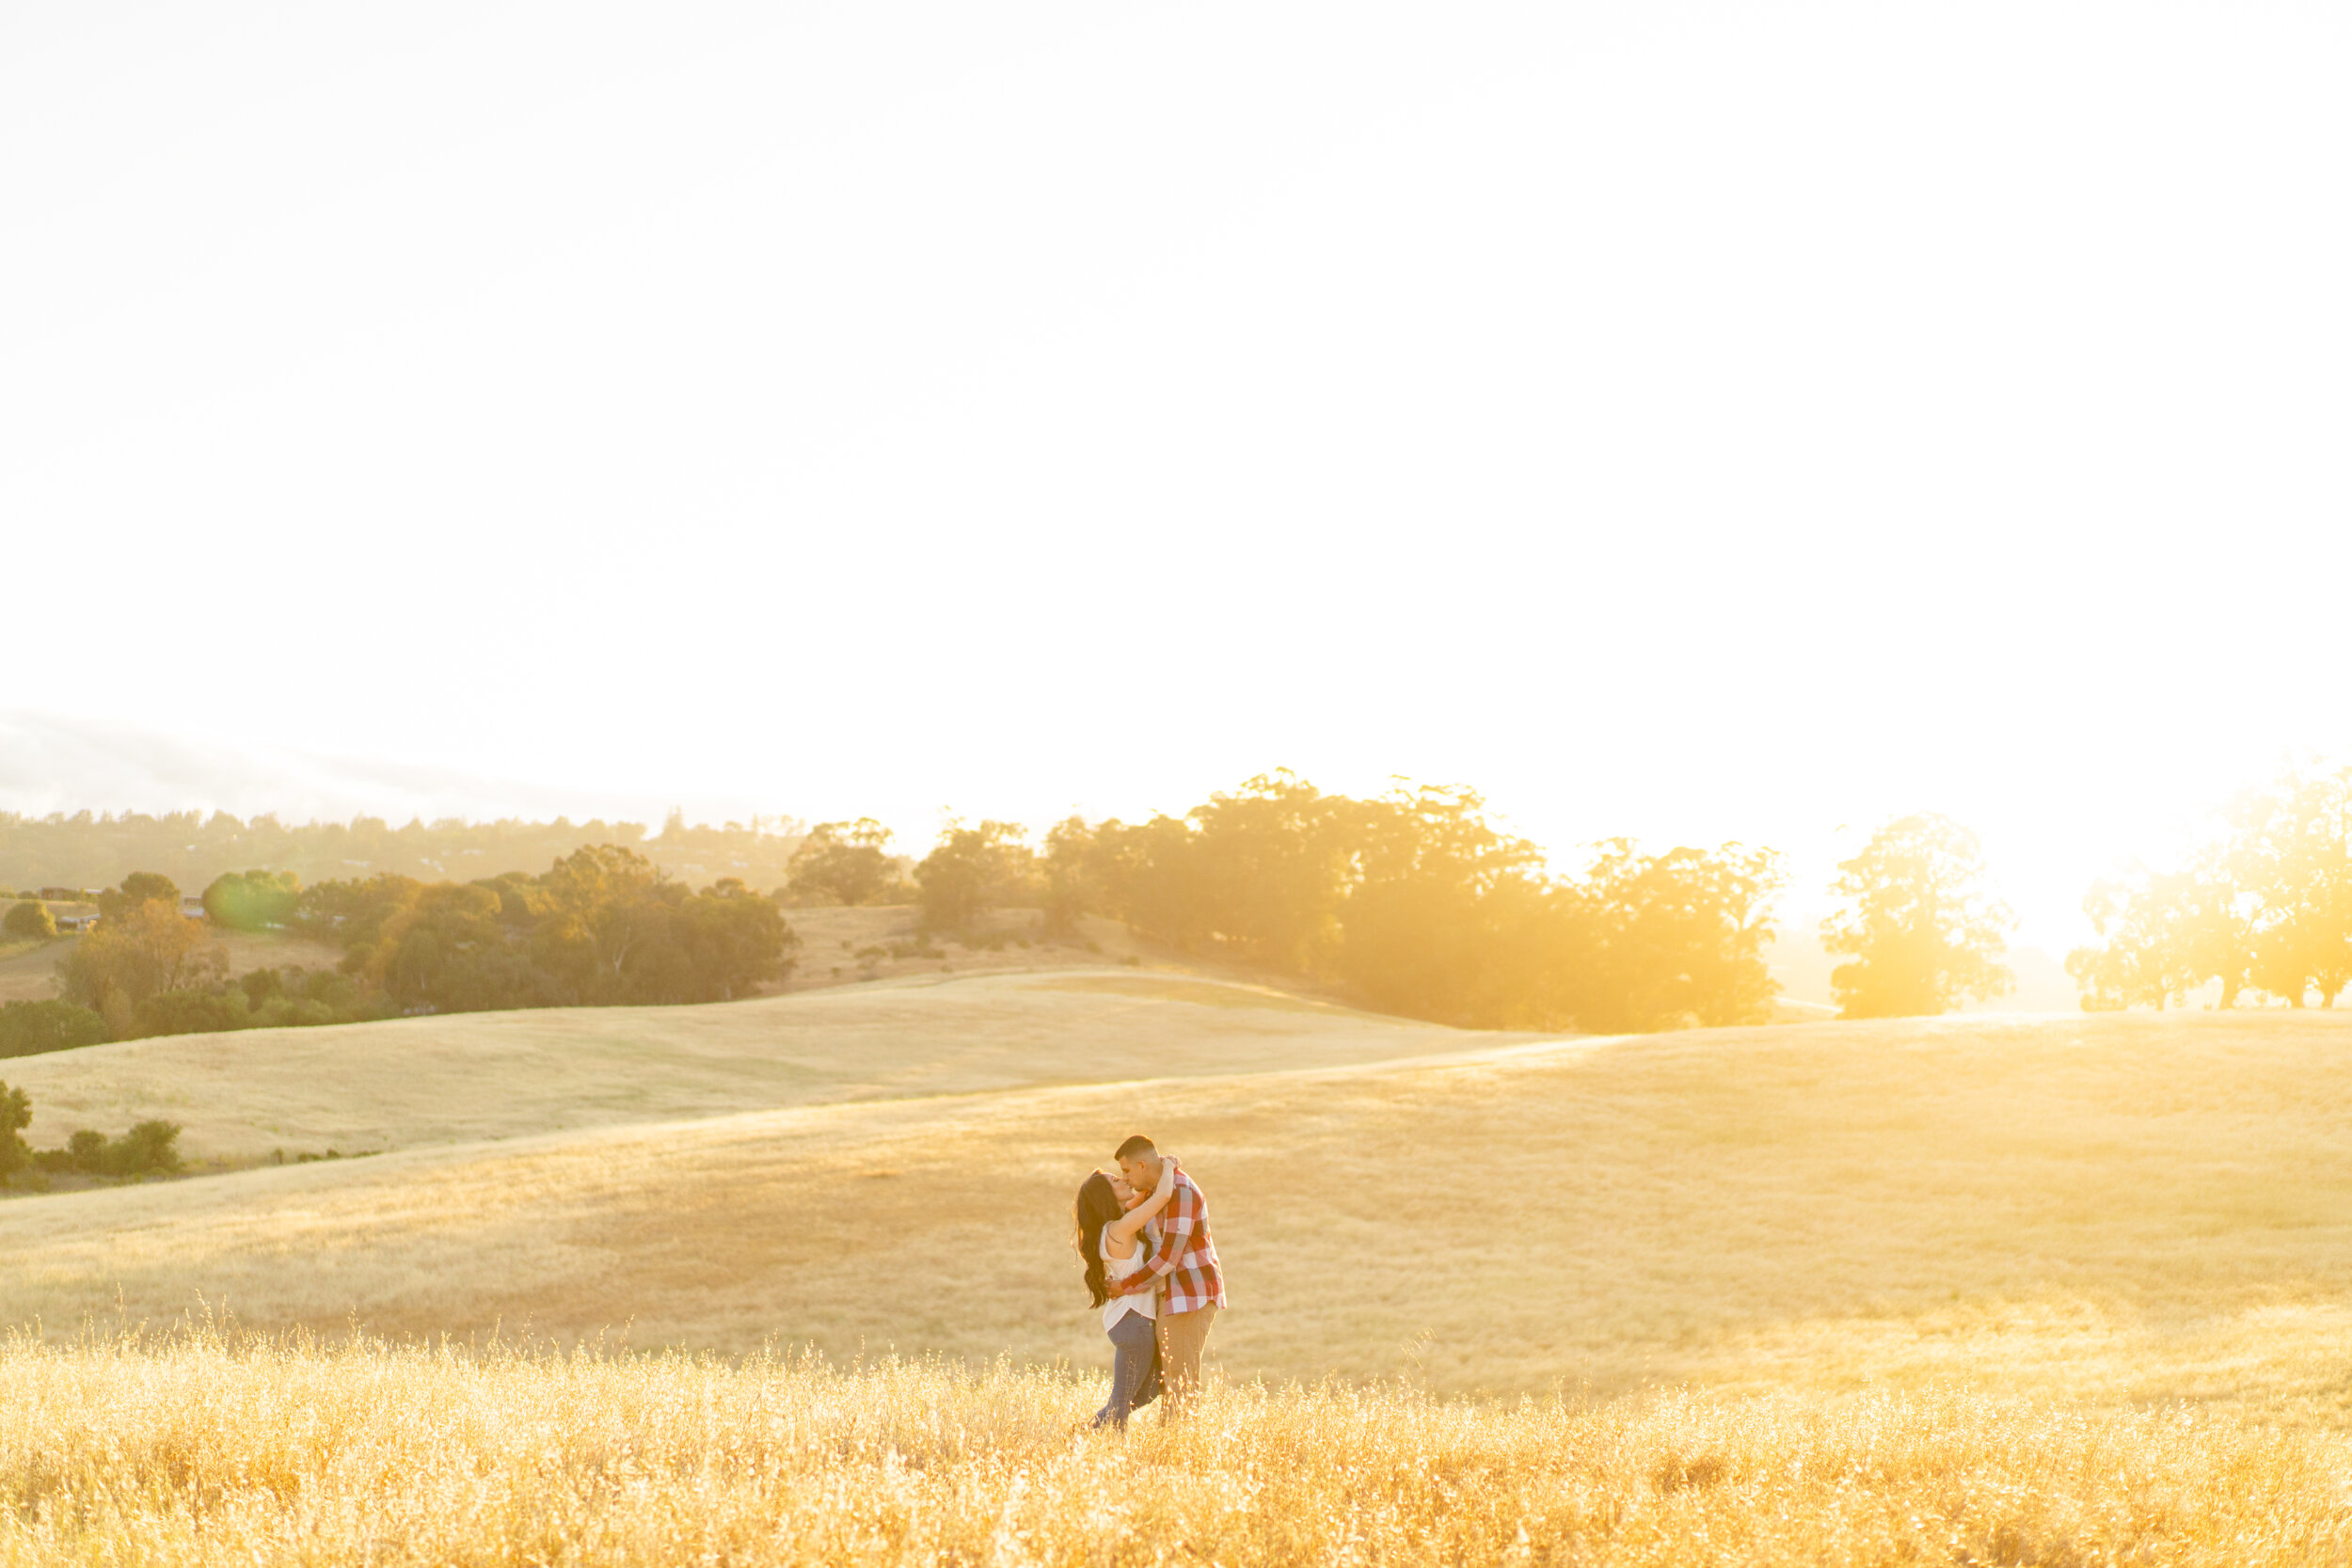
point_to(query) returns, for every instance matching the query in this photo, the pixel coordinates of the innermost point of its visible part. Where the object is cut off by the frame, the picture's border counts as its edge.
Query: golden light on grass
(1979, 1289)
(200, 1448)
(2122, 1209)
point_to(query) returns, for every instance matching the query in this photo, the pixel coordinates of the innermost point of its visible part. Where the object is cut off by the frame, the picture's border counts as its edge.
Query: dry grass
(198, 1451)
(838, 947)
(2122, 1211)
(475, 1077)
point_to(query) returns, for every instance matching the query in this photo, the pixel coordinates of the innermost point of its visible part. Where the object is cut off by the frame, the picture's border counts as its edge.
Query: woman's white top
(1117, 1269)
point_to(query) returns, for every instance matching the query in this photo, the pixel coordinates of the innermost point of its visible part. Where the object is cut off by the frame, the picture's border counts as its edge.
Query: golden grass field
(2123, 1208)
(1984, 1289)
(196, 1451)
(475, 1077)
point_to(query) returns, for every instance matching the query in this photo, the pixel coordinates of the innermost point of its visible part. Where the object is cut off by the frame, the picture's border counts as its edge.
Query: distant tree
(2164, 934)
(29, 921)
(352, 913)
(843, 863)
(191, 1012)
(1151, 875)
(253, 900)
(610, 906)
(1426, 925)
(150, 1149)
(139, 887)
(1275, 860)
(972, 870)
(2148, 954)
(1919, 924)
(16, 1114)
(35, 1028)
(1670, 941)
(2291, 848)
(734, 941)
(138, 953)
(447, 950)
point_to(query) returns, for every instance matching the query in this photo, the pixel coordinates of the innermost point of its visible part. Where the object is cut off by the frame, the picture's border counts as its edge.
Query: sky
(1695, 422)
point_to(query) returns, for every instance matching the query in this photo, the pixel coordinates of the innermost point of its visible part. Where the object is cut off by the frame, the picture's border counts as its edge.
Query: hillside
(2120, 1208)
(470, 1077)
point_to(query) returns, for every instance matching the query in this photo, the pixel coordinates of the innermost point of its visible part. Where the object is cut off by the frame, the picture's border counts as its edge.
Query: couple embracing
(1143, 1235)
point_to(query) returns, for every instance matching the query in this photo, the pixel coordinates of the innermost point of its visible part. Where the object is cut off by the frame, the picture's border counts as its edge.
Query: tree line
(148, 1148)
(1412, 902)
(603, 925)
(2262, 905)
(94, 850)
(1417, 904)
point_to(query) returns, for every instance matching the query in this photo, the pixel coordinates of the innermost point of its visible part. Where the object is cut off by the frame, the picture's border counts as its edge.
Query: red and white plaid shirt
(1183, 1259)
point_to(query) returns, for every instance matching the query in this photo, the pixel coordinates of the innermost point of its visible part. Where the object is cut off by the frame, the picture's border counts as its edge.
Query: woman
(1111, 1216)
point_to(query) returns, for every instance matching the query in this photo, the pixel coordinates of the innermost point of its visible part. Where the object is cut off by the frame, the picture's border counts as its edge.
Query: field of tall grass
(2126, 1209)
(199, 1447)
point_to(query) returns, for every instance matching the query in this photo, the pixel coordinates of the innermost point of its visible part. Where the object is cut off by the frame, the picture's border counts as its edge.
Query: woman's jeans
(1135, 1373)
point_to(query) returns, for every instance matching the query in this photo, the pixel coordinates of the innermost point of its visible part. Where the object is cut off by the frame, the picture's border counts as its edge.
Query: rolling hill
(2124, 1208)
(473, 1077)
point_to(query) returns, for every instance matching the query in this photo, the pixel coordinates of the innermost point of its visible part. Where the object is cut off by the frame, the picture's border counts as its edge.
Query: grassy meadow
(477, 1077)
(2124, 1208)
(1976, 1288)
(196, 1451)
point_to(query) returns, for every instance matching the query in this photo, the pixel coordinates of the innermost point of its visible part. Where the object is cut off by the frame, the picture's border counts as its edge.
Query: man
(1184, 1267)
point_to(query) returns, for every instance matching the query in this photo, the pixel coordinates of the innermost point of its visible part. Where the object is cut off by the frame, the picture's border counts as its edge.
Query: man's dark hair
(1136, 1148)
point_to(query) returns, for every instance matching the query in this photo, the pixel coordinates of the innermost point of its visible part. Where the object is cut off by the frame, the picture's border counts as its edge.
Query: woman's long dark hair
(1097, 1205)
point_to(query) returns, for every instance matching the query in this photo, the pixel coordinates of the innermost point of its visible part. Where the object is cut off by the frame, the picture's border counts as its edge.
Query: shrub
(254, 900)
(191, 1012)
(30, 920)
(31, 1028)
(150, 1149)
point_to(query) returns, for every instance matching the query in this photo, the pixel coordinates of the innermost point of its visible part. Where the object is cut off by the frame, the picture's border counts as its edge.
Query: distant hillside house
(191, 908)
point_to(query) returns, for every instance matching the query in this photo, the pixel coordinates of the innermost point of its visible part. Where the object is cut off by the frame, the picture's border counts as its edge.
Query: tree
(253, 900)
(194, 1011)
(610, 903)
(1426, 923)
(2147, 925)
(1666, 941)
(30, 920)
(843, 863)
(16, 1114)
(36, 1028)
(972, 870)
(1072, 868)
(2291, 847)
(139, 887)
(1274, 862)
(1150, 875)
(734, 941)
(1918, 924)
(138, 953)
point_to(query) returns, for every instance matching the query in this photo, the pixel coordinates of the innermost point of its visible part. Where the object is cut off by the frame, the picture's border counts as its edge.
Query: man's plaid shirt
(1183, 1259)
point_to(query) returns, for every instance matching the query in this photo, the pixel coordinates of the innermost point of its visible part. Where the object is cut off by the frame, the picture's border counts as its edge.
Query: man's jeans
(1183, 1337)
(1135, 1372)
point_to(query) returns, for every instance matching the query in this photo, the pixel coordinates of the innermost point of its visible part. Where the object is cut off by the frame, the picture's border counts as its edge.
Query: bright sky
(1687, 420)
